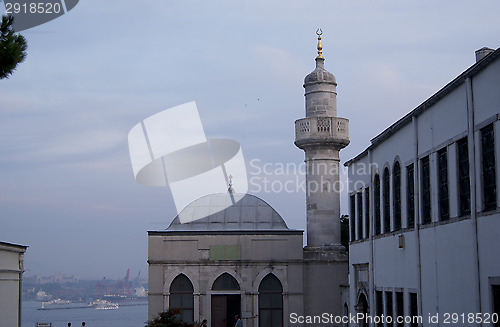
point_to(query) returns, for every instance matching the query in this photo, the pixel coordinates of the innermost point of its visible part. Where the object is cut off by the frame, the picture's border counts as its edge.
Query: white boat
(103, 305)
(55, 302)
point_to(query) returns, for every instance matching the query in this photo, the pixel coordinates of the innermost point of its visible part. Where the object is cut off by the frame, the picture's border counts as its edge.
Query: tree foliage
(168, 318)
(12, 47)
(344, 231)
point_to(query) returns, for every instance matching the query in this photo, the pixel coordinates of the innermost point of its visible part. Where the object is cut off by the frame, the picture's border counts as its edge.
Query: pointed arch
(270, 302)
(362, 307)
(345, 313)
(396, 194)
(386, 195)
(182, 297)
(225, 282)
(376, 205)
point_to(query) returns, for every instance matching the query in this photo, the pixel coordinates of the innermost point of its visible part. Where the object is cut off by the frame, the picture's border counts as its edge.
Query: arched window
(376, 195)
(346, 314)
(270, 302)
(387, 200)
(396, 196)
(181, 297)
(225, 282)
(363, 308)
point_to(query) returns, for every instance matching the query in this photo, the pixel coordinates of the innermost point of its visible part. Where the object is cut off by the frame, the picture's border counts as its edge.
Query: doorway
(224, 308)
(363, 308)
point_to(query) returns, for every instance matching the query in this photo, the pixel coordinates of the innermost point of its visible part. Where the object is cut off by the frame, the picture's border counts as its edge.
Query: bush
(170, 318)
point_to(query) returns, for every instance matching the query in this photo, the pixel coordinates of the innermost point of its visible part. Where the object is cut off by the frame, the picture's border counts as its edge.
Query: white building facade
(11, 276)
(424, 209)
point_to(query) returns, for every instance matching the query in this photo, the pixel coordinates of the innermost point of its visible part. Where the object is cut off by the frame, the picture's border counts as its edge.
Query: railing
(322, 127)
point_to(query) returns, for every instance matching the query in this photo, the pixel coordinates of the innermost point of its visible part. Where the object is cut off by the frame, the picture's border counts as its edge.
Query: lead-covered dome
(320, 74)
(228, 212)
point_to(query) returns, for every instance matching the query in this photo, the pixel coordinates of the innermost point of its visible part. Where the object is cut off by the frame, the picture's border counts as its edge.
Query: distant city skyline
(67, 189)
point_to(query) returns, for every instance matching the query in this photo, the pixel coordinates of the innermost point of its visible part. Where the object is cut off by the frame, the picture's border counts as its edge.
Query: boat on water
(55, 302)
(103, 305)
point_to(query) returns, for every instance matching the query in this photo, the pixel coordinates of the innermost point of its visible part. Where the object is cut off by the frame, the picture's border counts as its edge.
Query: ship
(103, 305)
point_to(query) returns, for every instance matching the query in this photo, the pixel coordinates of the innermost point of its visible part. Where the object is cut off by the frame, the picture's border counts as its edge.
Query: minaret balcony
(322, 130)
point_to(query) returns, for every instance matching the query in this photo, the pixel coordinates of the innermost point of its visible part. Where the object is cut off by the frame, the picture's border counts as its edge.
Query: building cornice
(225, 232)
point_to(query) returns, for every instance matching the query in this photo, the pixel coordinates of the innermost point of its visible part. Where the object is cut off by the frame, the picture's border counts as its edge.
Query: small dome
(320, 75)
(242, 212)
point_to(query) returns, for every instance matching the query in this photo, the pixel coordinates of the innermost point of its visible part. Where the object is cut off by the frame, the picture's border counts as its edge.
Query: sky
(67, 189)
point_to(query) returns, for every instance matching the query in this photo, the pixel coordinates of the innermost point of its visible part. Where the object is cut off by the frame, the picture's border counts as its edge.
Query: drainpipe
(371, 233)
(416, 188)
(472, 175)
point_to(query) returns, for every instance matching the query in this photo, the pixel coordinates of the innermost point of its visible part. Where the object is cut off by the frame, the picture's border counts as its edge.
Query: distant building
(244, 259)
(57, 279)
(424, 211)
(11, 276)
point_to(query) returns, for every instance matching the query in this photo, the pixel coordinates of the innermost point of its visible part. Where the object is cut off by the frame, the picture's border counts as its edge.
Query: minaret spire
(321, 135)
(230, 190)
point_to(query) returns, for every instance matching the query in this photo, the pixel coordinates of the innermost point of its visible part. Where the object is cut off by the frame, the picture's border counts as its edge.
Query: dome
(320, 74)
(242, 212)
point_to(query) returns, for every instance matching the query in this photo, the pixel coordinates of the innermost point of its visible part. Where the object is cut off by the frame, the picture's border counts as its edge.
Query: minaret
(321, 135)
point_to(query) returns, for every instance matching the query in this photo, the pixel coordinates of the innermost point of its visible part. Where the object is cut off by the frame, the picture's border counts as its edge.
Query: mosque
(424, 221)
(244, 260)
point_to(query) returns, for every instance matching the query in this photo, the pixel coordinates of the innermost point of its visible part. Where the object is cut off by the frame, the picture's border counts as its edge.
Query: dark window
(225, 282)
(360, 215)
(379, 307)
(444, 203)
(426, 191)
(367, 212)
(414, 310)
(496, 301)
(400, 307)
(345, 313)
(463, 177)
(376, 195)
(396, 196)
(387, 200)
(410, 196)
(352, 218)
(181, 297)
(489, 174)
(388, 307)
(270, 302)
(362, 308)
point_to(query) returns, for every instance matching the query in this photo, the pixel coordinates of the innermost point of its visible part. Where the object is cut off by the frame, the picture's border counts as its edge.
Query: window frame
(183, 309)
(396, 195)
(376, 205)
(359, 200)
(386, 195)
(463, 179)
(352, 217)
(488, 167)
(443, 185)
(272, 294)
(426, 187)
(410, 195)
(367, 212)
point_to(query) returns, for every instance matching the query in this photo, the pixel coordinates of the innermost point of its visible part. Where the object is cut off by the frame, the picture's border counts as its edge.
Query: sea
(129, 314)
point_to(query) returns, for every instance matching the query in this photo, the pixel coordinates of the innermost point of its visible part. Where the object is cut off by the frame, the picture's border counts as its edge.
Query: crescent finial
(319, 32)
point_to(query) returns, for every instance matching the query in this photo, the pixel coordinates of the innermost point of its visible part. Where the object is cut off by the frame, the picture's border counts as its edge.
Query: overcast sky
(66, 184)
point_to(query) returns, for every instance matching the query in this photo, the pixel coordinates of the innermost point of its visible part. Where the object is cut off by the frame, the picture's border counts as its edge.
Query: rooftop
(229, 212)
